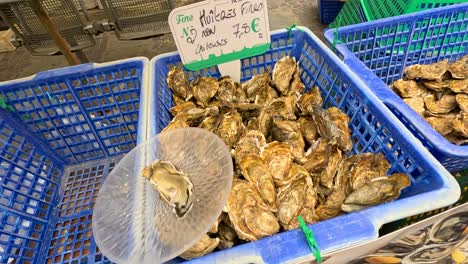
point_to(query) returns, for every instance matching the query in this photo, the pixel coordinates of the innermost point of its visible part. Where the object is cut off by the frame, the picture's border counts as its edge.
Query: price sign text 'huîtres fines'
(218, 31)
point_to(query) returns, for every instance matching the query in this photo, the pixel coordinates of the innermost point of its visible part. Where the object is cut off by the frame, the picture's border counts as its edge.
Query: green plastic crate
(359, 11)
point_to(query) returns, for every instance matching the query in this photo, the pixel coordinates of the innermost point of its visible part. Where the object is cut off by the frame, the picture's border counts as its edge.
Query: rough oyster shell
(182, 108)
(459, 69)
(179, 121)
(342, 122)
(174, 187)
(283, 107)
(437, 85)
(429, 72)
(462, 101)
(297, 86)
(227, 90)
(333, 125)
(442, 106)
(278, 158)
(214, 227)
(227, 236)
(308, 100)
(283, 73)
(251, 143)
(284, 130)
(256, 85)
(365, 167)
(459, 86)
(332, 206)
(266, 95)
(211, 123)
(409, 88)
(178, 82)
(379, 190)
(231, 128)
(316, 157)
(204, 88)
(442, 124)
(417, 104)
(177, 100)
(460, 124)
(334, 159)
(308, 129)
(256, 172)
(202, 247)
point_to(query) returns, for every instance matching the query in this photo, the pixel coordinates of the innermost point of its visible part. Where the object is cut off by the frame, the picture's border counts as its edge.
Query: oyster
(308, 129)
(266, 95)
(333, 125)
(437, 85)
(202, 247)
(278, 158)
(462, 101)
(256, 172)
(211, 123)
(459, 86)
(334, 159)
(178, 82)
(283, 107)
(227, 236)
(248, 213)
(296, 172)
(174, 187)
(182, 108)
(342, 122)
(342, 178)
(455, 139)
(316, 157)
(417, 104)
(240, 96)
(409, 88)
(227, 90)
(429, 72)
(256, 85)
(231, 128)
(459, 69)
(297, 86)
(365, 167)
(196, 115)
(332, 206)
(252, 124)
(297, 198)
(214, 227)
(251, 143)
(379, 190)
(204, 88)
(460, 124)
(284, 130)
(442, 124)
(308, 100)
(283, 73)
(442, 106)
(248, 110)
(179, 121)
(177, 100)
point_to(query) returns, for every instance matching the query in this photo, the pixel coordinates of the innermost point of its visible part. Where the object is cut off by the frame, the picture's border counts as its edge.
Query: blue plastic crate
(329, 9)
(374, 129)
(380, 59)
(61, 133)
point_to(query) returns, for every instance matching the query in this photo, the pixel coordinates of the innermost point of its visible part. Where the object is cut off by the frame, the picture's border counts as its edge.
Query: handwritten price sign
(218, 31)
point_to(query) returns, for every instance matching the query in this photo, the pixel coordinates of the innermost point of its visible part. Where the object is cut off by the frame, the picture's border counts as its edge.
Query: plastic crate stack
(329, 9)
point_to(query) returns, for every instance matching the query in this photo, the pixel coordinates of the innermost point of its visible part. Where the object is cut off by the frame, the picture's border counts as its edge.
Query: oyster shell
(365, 167)
(240, 96)
(308, 100)
(460, 124)
(455, 139)
(342, 179)
(177, 100)
(284, 130)
(204, 88)
(308, 129)
(227, 236)
(334, 159)
(256, 85)
(379, 190)
(278, 158)
(462, 101)
(442, 124)
(342, 122)
(231, 128)
(446, 103)
(248, 213)
(266, 95)
(333, 125)
(283, 108)
(196, 115)
(459, 86)
(429, 72)
(202, 247)
(437, 85)
(178, 82)
(215, 226)
(297, 86)
(252, 124)
(459, 69)
(211, 123)
(256, 172)
(296, 198)
(179, 121)
(251, 143)
(283, 73)
(296, 172)
(316, 157)
(417, 104)
(332, 206)
(182, 108)
(248, 110)
(174, 187)
(409, 88)
(227, 90)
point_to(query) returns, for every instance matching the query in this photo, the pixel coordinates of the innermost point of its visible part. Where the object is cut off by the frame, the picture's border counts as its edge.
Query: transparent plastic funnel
(131, 224)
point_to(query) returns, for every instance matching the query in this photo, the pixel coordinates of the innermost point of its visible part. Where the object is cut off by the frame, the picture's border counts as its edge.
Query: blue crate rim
(437, 140)
(371, 213)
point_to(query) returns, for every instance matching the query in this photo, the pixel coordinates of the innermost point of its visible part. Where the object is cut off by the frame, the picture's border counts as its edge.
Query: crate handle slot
(66, 70)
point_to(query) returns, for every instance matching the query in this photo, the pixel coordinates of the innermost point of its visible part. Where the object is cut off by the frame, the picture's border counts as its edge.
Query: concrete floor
(20, 63)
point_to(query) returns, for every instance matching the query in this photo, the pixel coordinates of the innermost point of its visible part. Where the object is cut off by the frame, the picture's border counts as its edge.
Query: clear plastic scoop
(131, 224)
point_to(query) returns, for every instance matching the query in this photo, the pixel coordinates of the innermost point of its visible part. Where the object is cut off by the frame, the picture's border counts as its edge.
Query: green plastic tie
(335, 32)
(310, 239)
(290, 29)
(5, 106)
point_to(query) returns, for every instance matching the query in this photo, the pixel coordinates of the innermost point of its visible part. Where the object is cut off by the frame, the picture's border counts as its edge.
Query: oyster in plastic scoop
(442, 106)
(256, 172)
(202, 247)
(442, 124)
(409, 88)
(417, 104)
(174, 187)
(204, 88)
(459, 69)
(178, 82)
(379, 190)
(278, 158)
(283, 73)
(256, 85)
(308, 100)
(433, 71)
(365, 167)
(231, 128)
(460, 124)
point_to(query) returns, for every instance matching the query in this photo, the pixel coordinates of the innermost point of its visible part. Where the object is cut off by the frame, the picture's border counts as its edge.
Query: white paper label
(218, 31)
